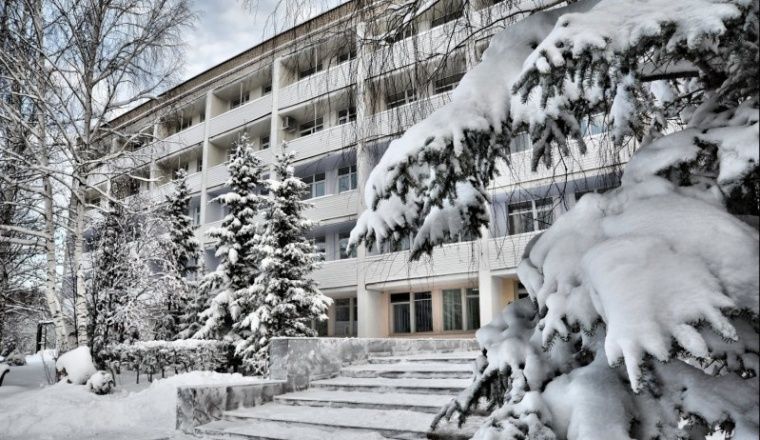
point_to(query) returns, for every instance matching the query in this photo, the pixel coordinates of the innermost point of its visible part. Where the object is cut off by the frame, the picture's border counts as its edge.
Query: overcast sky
(227, 27)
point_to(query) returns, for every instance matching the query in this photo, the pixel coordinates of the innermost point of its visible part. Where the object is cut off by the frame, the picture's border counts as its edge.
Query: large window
(311, 127)
(452, 309)
(345, 317)
(461, 309)
(346, 115)
(529, 216)
(593, 125)
(447, 83)
(423, 312)
(448, 16)
(346, 178)
(473, 309)
(412, 312)
(520, 142)
(401, 312)
(240, 100)
(315, 185)
(320, 243)
(343, 244)
(401, 98)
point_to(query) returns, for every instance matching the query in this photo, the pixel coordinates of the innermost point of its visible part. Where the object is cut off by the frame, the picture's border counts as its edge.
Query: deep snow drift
(67, 411)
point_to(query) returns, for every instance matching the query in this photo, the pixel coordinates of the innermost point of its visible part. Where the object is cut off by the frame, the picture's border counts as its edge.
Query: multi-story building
(337, 89)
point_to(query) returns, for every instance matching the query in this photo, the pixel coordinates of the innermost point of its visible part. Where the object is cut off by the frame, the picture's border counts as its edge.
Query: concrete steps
(389, 397)
(427, 403)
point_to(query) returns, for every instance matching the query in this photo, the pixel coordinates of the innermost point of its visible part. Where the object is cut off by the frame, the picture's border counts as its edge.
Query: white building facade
(337, 89)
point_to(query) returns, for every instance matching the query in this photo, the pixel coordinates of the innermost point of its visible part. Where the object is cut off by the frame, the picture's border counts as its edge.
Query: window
(447, 83)
(401, 313)
(412, 312)
(320, 326)
(533, 215)
(399, 35)
(522, 292)
(520, 142)
(347, 55)
(264, 141)
(310, 127)
(266, 89)
(196, 216)
(199, 165)
(184, 123)
(593, 125)
(343, 244)
(320, 243)
(450, 15)
(402, 98)
(452, 309)
(345, 317)
(346, 178)
(423, 312)
(347, 115)
(473, 309)
(313, 67)
(242, 99)
(402, 244)
(316, 185)
(263, 188)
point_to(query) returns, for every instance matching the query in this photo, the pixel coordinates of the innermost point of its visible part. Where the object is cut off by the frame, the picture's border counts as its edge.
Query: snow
(100, 383)
(4, 368)
(66, 411)
(77, 365)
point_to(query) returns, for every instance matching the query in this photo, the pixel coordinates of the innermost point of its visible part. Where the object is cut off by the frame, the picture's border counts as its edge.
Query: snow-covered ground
(32, 409)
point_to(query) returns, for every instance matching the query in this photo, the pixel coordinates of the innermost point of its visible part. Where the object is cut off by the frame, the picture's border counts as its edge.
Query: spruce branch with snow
(642, 320)
(237, 269)
(284, 299)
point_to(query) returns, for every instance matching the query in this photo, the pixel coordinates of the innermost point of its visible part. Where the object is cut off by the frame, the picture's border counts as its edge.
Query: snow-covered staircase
(388, 397)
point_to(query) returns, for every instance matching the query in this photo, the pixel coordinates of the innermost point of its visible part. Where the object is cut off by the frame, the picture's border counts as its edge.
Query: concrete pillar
(210, 97)
(489, 289)
(275, 131)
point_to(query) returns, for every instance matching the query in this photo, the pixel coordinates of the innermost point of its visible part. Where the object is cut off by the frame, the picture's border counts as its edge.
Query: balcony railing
(240, 116)
(321, 142)
(336, 274)
(179, 141)
(334, 78)
(400, 118)
(334, 208)
(449, 259)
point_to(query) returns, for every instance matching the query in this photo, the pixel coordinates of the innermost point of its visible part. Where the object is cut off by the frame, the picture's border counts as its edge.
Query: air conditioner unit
(289, 123)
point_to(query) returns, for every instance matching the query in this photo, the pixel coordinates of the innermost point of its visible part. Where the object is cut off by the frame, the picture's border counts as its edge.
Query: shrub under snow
(101, 382)
(76, 365)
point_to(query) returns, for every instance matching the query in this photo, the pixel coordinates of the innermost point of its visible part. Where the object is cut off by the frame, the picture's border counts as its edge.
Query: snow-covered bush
(76, 365)
(16, 359)
(154, 357)
(101, 382)
(642, 321)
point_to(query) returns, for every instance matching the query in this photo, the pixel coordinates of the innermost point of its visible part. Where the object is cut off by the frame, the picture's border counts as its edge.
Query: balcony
(217, 175)
(334, 78)
(179, 141)
(506, 252)
(334, 208)
(599, 155)
(194, 182)
(449, 259)
(336, 274)
(201, 233)
(398, 119)
(240, 116)
(325, 141)
(422, 46)
(160, 193)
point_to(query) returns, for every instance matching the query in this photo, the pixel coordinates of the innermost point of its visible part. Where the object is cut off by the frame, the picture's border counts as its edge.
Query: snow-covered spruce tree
(284, 299)
(642, 321)
(107, 285)
(184, 249)
(237, 267)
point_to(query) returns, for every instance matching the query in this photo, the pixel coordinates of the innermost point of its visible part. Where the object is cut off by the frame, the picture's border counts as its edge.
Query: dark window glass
(423, 312)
